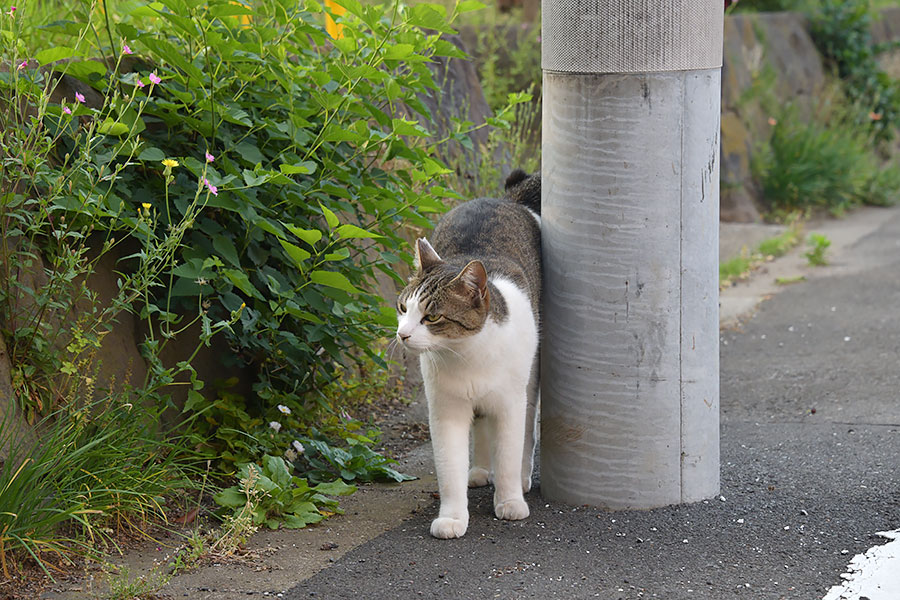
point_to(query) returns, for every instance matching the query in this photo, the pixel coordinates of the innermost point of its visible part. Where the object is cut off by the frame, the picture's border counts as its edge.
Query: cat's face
(441, 304)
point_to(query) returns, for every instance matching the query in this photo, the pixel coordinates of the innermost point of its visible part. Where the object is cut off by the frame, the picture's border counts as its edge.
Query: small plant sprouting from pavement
(818, 246)
(739, 267)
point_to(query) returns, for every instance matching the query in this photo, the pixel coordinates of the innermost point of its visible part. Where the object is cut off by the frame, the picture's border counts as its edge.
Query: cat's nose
(403, 336)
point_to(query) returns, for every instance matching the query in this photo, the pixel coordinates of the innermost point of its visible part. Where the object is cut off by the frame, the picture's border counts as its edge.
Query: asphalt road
(810, 440)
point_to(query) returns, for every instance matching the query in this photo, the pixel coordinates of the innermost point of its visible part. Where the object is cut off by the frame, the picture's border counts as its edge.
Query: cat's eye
(402, 308)
(432, 318)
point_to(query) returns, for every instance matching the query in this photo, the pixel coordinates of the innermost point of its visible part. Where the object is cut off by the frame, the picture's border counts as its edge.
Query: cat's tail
(524, 189)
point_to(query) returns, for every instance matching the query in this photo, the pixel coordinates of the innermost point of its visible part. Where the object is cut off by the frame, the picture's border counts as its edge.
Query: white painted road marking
(874, 575)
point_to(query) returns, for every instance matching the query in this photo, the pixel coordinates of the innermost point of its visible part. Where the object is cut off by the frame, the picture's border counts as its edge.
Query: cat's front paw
(479, 477)
(447, 528)
(511, 510)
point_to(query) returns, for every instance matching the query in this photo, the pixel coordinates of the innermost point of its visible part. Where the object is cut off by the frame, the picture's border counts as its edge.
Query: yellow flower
(146, 205)
(170, 162)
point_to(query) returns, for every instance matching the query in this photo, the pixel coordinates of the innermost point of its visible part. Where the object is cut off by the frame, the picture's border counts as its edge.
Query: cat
(472, 312)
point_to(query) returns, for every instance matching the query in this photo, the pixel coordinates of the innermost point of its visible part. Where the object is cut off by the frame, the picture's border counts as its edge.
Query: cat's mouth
(412, 345)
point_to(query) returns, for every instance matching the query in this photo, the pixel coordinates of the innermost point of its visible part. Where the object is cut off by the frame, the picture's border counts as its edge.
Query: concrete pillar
(630, 216)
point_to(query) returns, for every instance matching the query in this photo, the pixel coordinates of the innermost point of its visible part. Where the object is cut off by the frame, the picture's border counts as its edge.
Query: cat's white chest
(485, 366)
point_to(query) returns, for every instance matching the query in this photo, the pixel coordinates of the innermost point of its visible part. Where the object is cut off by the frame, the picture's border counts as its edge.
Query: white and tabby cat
(472, 312)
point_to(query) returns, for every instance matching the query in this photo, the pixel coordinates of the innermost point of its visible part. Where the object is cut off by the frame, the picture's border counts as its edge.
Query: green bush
(825, 163)
(842, 31)
(311, 157)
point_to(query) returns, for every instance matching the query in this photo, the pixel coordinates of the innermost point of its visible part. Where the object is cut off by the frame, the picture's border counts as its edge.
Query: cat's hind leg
(532, 412)
(480, 471)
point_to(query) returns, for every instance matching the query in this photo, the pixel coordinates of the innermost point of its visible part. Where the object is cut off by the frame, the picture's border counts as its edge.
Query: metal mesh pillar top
(630, 36)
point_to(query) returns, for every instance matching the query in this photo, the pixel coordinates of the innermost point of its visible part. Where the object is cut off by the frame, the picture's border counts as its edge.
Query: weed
(735, 268)
(740, 267)
(818, 246)
(790, 280)
(123, 586)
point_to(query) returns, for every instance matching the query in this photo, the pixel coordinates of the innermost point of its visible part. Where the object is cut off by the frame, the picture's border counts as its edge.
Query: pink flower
(11, 10)
(209, 157)
(67, 110)
(772, 121)
(154, 78)
(126, 49)
(22, 65)
(79, 97)
(139, 83)
(213, 189)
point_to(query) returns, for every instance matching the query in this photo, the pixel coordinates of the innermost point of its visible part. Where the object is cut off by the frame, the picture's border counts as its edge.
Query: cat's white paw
(511, 510)
(479, 476)
(447, 528)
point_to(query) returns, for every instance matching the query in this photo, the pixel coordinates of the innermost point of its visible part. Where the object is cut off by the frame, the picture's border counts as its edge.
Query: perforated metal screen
(631, 36)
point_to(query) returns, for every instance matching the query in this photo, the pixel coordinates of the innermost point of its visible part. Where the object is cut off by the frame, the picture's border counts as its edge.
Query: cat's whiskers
(392, 347)
(455, 353)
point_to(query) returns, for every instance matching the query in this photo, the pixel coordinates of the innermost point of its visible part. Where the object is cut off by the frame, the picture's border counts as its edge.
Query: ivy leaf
(333, 279)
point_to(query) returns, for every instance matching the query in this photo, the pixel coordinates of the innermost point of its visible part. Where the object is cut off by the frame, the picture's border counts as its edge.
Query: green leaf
(310, 236)
(469, 5)
(404, 127)
(230, 498)
(49, 55)
(305, 168)
(151, 154)
(299, 520)
(330, 217)
(110, 127)
(333, 279)
(398, 51)
(194, 400)
(429, 16)
(349, 231)
(226, 249)
(242, 282)
(230, 9)
(335, 488)
(86, 70)
(276, 469)
(297, 254)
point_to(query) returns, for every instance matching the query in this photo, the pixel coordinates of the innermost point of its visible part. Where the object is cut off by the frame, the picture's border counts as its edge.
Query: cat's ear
(473, 278)
(426, 256)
